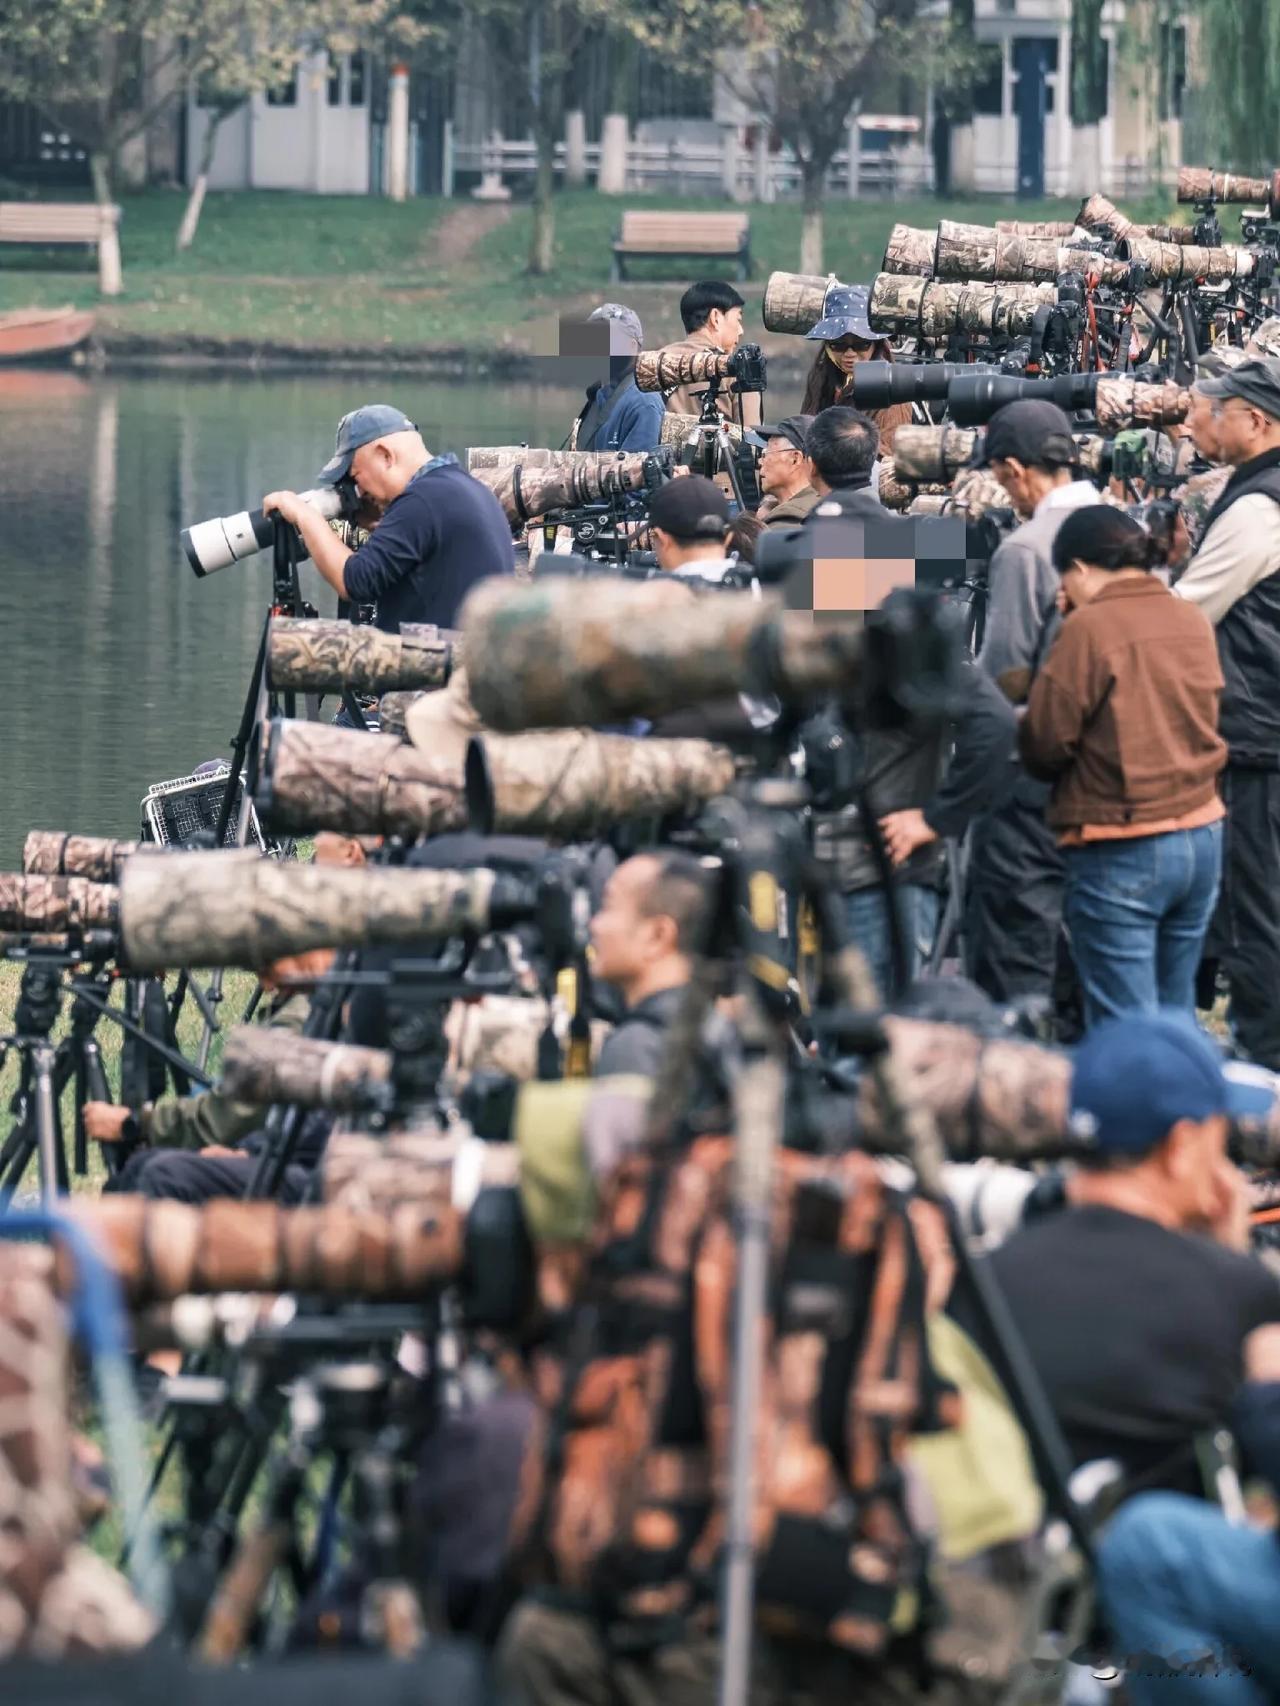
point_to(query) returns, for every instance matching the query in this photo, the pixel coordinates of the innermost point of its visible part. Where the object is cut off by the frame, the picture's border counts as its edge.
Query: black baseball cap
(361, 426)
(690, 507)
(1256, 382)
(1035, 433)
(794, 428)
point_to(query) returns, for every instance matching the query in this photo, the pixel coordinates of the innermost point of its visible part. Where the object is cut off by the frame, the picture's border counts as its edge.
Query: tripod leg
(52, 1164)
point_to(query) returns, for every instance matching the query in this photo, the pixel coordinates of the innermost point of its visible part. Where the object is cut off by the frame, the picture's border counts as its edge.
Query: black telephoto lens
(973, 399)
(880, 384)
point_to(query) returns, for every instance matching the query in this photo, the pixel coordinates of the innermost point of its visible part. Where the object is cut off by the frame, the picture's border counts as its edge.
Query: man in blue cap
(440, 532)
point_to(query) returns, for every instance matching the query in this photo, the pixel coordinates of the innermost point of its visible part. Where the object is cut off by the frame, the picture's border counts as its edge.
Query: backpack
(625, 1515)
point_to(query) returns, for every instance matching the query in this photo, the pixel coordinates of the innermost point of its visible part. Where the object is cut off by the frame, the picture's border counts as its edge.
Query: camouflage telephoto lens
(54, 853)
(793, 302)
(307, 655)
(1198, 183)
(929, 310)
(987, 254)
(314, 776)
(265, 1066)
(572, 478)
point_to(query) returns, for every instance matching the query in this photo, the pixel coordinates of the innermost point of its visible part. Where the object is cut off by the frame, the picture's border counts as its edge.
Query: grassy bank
(360, 272)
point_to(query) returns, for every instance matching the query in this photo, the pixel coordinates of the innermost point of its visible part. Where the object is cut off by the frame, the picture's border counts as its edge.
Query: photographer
(712, 316)
(440, 533)
(848, 339)
(786, 473)
(1013, 905)
(843, 445)
(1233, 579)
(617, 416)
(688, 521)
(1122, 719)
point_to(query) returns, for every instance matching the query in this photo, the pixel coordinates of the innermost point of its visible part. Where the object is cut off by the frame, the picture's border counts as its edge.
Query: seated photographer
(843, 445)
(712, 315)
(786, 473)
(440, 531)
(616, 415)
(1138, 1304)
(1123, 721)
(1013, 902)
(847, 339)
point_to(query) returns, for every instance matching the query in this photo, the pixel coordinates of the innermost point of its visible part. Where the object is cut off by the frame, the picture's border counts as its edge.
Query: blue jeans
(1177, 1581)
(1137, 912)
(867, 921)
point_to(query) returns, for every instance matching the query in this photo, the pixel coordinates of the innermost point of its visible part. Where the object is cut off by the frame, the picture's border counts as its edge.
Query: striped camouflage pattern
(1176, 263)
(54, 853)
(229, 909)
(793, 301)
(1099, 214)
(316, 776)
(667, 369)
(930, 310)
(1124, 403)
(577, 477)
(974, 491)
(57, 1599)
(988, 255)
(910, 251)
(308, 655)
(263, 1065)
(932, 453)
(1058, 228)
(1198, 183)
(57, 905)
(573, 784)
(565, 653)
(897, 494)
(393, 711)
(414, 1167)
(162, 1250)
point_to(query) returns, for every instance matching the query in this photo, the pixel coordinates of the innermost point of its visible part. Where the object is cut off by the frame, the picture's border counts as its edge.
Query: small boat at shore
(44, 334)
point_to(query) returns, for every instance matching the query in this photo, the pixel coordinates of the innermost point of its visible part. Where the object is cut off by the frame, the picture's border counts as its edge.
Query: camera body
(227, 539)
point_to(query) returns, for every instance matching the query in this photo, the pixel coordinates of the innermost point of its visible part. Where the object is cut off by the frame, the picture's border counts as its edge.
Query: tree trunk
(195, 201)
(100, 172)
(811, 218)
(543, 238)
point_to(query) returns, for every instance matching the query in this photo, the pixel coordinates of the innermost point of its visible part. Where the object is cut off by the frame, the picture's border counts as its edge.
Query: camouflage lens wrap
(571, 654)
(307, 655)
(932, 454)
(679, 429)
(667, 369)
(910, 252)
(212, 909)
(487, 457)
(577, 477)
(1099, 214)
(931, 310)
(1124, 403)
(393, 711)
(975, 491)
(1198, 183)
(793, 301)
(54, 853)
(1056, 228)
(162, 1250)
(1177, 263)
(990, 255)
(574, 784)
(315, 776)
(57, 906)
(892, 492)
(1095, 455)
(422, 1168)
(263, 1065)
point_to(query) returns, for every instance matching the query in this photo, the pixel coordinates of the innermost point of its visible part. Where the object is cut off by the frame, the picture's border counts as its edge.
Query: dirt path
(462, 228)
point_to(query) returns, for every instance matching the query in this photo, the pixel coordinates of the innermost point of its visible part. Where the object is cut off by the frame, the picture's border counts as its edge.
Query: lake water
(120, 667)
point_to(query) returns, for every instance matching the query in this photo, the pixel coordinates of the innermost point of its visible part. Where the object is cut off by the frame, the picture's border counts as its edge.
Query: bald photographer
(440, 532)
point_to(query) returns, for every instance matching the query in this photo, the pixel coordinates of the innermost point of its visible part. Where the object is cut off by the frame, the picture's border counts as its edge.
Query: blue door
(1033, 56)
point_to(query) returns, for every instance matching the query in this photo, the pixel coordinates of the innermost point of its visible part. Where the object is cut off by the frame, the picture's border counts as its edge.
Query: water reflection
(121, 668)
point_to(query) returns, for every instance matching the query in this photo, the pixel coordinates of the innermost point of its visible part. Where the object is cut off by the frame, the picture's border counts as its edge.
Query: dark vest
(1249, 638)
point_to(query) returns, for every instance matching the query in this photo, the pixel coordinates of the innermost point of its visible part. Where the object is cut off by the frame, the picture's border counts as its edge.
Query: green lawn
(362, 272)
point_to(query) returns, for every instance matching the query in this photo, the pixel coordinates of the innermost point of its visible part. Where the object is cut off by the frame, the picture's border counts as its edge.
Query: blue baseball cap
(1136, 1076)
(361, 426)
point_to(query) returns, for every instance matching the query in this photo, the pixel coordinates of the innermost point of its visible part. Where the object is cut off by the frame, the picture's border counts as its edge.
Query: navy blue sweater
(442, 534)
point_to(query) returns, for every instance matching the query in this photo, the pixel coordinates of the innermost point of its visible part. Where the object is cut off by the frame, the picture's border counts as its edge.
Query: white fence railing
(695, 168)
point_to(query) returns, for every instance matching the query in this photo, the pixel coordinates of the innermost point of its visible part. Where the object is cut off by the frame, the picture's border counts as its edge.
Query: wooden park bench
(701, 236)
(43, 224)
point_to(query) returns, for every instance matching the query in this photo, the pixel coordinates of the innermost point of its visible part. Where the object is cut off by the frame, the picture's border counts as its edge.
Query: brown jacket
(1123, 717)
(742, 410)
(793, 510)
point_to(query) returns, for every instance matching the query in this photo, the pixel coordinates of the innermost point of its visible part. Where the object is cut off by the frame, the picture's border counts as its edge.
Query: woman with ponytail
(1123, 720)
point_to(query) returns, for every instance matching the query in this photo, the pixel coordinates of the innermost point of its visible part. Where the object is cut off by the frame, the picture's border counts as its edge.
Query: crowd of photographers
(1099, 820)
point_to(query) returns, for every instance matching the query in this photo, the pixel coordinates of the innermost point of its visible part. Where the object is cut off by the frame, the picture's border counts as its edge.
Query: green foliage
(1088, 62)
(1236, 77)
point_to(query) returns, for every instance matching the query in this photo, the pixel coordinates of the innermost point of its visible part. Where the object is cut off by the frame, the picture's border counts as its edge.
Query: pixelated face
(852, 566)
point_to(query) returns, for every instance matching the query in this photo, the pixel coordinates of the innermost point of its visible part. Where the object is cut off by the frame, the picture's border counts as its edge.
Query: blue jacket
(636, 423)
